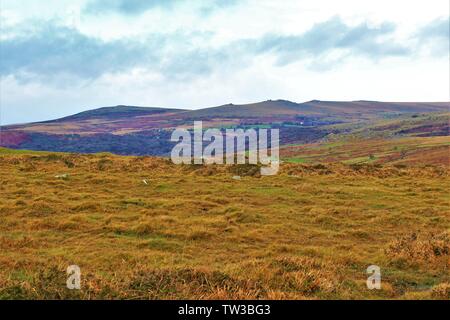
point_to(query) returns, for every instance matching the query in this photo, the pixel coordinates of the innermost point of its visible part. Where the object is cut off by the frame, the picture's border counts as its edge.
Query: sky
(60, 57)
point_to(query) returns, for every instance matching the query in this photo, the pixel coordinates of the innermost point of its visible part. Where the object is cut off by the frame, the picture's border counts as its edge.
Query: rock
(237, 177)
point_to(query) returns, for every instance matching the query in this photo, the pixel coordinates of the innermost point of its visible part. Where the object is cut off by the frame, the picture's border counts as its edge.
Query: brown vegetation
(194, 232)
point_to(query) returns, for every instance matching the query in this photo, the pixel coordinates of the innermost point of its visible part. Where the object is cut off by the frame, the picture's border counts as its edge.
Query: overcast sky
(59, 57)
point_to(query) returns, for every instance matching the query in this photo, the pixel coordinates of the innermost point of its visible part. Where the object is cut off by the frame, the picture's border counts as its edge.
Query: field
(415, 140)
(196, 232)
(415, 151)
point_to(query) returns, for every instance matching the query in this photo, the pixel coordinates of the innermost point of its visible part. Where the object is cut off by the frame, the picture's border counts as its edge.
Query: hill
(346, 110)
(131, 130)
(271, 108)
(115, 120)
(116, 113)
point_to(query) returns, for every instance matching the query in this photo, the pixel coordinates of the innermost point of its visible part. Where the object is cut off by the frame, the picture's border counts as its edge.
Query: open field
(194, 232)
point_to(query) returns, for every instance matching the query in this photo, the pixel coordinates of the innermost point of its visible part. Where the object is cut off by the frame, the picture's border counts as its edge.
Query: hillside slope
(131, 130)
(113, 119)
(117, 112)
(351, 110)
(415, 140)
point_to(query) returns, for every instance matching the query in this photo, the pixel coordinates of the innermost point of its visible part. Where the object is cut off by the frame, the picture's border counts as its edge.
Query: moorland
(365, 184)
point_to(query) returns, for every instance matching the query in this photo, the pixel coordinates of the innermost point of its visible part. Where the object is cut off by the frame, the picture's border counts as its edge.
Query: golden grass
(194, 232)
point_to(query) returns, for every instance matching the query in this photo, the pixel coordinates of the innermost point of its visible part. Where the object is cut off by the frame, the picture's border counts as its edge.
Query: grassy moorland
(142, 131)
(413, 151)
(415, 140)
(194, 232)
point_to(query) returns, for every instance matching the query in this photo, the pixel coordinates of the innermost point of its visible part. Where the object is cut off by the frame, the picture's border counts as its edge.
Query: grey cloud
(329, 35)
(435, 37)
(136, 7)
(439, 28)
(52, 52)
(208, 7)
(56, 52)
(129, 7)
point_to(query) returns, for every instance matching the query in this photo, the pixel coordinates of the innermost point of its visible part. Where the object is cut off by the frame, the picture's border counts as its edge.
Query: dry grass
(194, 232)
(411, 151)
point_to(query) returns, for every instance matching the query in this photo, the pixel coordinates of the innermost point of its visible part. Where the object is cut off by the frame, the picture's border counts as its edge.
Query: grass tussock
(425, 249)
